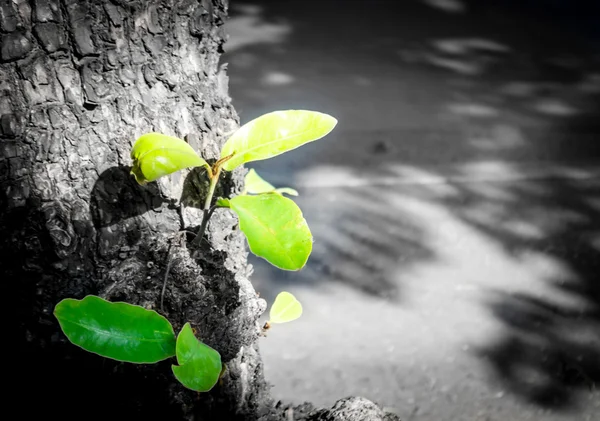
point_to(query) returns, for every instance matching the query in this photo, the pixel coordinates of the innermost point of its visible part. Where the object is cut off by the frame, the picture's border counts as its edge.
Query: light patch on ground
(465, 56)
(463, 67)
(500, 137)
(545, 266)
(326, 176)
(449, 6)
(555, 107)
(490, 191)
(250, 28)
(488, 170)
(460, 46)
(473, 110)
(277, 79)
(466, 255)
(524, 229)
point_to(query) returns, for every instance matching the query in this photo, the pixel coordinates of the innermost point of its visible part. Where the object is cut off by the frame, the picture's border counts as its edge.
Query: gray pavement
(454, 208)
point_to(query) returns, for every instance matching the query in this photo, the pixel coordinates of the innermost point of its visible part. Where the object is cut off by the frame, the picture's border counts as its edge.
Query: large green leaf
(255, 184)
(273, 134)
(155, 155)
(120, 331)
(199, 365)
(275, 229)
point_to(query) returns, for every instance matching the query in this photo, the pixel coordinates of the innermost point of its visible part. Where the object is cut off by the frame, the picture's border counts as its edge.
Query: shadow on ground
(359, 238)
(551, 343)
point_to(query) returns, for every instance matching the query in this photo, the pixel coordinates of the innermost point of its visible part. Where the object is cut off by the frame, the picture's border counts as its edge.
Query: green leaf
(255, 184)
(285, 308)
(275, 229)
(286, 190)
(199, 365)
(155, 155)
(120, 331)
(273, 134)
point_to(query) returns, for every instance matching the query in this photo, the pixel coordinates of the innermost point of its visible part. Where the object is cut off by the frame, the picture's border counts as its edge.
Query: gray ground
(454, 208)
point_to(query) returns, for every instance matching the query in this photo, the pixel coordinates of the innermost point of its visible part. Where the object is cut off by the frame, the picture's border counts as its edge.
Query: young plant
(273, 225)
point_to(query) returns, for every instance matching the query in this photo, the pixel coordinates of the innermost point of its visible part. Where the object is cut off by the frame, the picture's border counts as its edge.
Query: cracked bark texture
(80, 80)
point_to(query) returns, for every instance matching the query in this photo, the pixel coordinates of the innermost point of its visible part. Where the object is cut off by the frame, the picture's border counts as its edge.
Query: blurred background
(455, 208)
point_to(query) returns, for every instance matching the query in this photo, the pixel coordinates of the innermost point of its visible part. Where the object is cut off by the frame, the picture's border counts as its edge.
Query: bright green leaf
(199, 365)
(275, 133)
(155, 155)
(223, 203)
(287, 190)
(285, 308)
(120, 331)
(255, 184)
(275, 229)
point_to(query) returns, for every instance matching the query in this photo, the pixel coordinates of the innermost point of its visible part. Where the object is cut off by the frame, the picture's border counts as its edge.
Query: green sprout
(273, 225)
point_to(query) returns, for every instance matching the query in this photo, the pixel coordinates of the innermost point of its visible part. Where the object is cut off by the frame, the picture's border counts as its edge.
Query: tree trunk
(80, 80)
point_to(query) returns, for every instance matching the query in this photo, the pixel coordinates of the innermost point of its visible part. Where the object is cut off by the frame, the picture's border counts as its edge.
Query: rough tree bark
(80, 80)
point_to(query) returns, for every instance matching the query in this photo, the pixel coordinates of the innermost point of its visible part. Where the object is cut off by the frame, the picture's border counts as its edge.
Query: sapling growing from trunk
(273, 225)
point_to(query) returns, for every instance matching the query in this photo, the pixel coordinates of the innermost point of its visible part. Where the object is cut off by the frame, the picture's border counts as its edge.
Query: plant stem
(207, 211)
